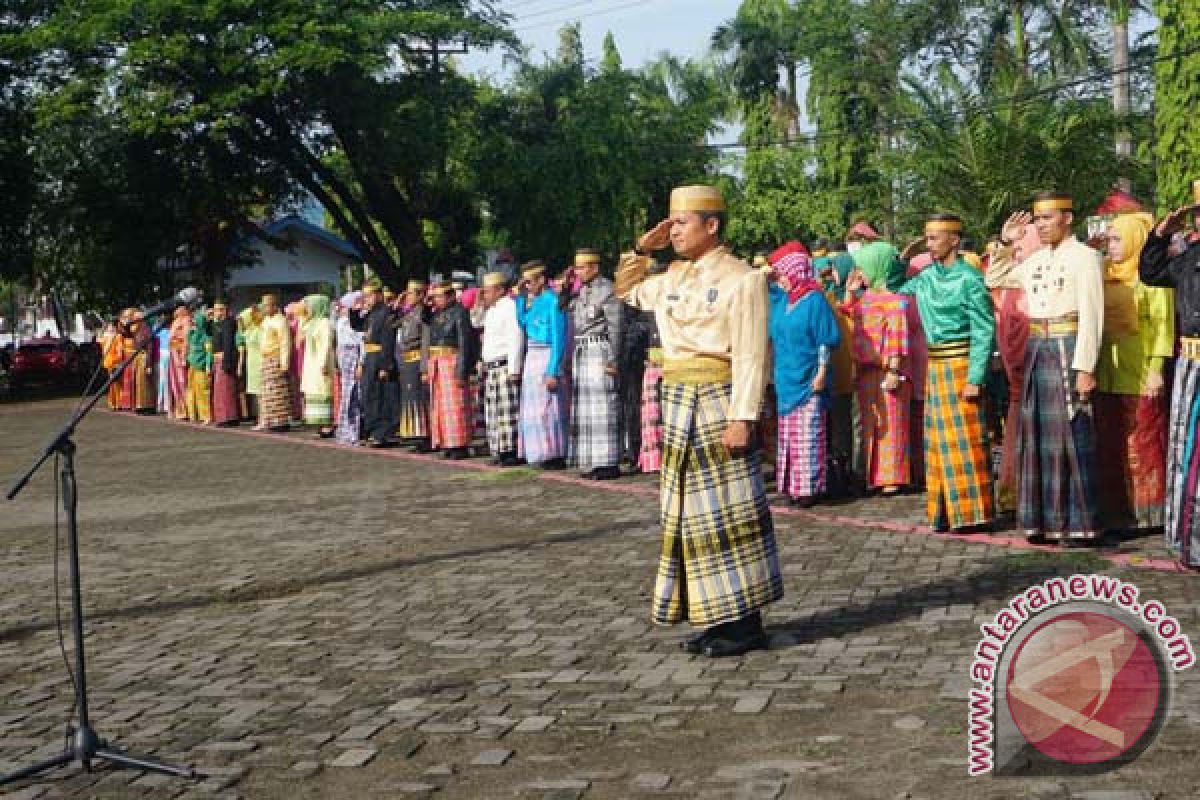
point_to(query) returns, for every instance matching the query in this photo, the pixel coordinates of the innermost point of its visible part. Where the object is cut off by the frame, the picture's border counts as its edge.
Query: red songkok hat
(1119, 202)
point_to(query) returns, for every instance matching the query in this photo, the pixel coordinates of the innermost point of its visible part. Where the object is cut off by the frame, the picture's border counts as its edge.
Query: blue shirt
(797, 335)
(545, 323)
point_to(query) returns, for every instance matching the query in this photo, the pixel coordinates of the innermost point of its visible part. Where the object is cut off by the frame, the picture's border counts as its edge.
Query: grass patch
(501, 476)
(1040, 559)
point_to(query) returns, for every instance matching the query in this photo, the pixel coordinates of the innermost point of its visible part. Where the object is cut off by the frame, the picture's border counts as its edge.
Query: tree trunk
(1121, 79)
(1020, 39)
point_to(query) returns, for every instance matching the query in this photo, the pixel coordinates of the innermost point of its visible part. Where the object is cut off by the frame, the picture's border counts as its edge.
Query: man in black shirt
(1181, 272)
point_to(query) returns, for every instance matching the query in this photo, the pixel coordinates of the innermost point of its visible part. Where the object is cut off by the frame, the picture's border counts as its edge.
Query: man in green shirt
(956, 312)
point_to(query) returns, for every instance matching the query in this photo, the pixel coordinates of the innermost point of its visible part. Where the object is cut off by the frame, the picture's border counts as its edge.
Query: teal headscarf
(880, 264)
(318, 306)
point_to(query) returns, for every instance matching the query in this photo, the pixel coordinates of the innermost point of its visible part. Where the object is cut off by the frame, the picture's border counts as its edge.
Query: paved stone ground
(309, 622)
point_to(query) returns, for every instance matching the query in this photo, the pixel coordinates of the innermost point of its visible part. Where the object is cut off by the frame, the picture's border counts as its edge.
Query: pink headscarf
(793, 262)
(468, 297)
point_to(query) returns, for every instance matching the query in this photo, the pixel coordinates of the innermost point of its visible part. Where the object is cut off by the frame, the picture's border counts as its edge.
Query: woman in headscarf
(804, 333)
(881, 349)
(349, 357)
(297, 317)
(200, 368)
(250, 357)
(181, 327)
(112, 351)
(316, 377)
(138, 390)
(1131, 403)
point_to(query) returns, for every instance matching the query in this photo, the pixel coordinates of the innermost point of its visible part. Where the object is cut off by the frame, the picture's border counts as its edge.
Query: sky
(642, 28)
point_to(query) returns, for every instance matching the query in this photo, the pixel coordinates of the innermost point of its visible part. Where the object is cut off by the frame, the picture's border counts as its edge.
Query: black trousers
(631, 415)
(380, 398)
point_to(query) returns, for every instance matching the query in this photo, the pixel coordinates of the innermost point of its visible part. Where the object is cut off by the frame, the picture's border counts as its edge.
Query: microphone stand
(85, 744)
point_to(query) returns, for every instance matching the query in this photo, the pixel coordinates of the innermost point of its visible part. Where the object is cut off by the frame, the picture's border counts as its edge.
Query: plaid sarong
(224, 393)
(651, 456)
(138, 392)
(1182, 525)
(199, 396)
(414, 402)
(595, 408)
(958, 473)
(800, 465)
(543, 435)
(274, 403)
(719, 561)
(885, 419)
(502, 405)
(450, 420)
(1056, 453)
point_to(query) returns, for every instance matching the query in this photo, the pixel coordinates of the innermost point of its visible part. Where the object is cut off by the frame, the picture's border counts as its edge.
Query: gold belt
(372, 348)
(443, 351)
(697, 370)
(950, 350)
(1051, 328)
(412, 356)
(655, 356)
(1189, 348)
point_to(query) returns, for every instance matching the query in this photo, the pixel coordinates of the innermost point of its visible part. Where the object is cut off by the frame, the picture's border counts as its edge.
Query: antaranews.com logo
(1073, 676)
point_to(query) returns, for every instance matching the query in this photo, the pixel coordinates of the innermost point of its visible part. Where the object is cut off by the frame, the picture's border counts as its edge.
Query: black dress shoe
(720, 647)
(554, 464)
(604, 474)
(455, 454)
(510, 461)
(695, 644)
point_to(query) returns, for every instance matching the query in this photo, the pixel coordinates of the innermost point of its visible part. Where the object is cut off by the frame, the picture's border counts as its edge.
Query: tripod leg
(143, 763)
(60, 760)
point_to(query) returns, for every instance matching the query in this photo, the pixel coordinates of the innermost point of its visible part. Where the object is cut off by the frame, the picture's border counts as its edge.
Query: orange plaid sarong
(958, 477)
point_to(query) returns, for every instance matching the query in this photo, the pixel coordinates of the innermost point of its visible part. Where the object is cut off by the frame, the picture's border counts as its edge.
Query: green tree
(1176, 98)
(354, 99)
(574, 157)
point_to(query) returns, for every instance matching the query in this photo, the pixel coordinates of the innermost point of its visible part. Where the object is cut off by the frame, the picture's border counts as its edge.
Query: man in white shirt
(1064, 289)
(503, 354)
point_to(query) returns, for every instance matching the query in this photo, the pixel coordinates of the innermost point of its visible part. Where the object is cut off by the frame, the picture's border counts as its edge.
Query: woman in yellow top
(1131, 404)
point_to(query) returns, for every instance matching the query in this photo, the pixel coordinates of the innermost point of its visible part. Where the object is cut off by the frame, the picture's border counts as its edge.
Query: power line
(597, 13)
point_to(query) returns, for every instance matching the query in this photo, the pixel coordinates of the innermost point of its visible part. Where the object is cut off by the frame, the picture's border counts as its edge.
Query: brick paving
(305, 622)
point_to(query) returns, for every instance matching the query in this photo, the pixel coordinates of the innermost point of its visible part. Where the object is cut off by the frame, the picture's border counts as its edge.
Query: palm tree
(758, 44)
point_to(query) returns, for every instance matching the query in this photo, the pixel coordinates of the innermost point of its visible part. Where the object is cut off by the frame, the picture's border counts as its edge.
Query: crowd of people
(1043, 375)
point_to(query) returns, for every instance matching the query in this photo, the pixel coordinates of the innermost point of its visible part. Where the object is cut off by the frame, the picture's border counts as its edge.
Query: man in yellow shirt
(1064, 288)
(719, 565)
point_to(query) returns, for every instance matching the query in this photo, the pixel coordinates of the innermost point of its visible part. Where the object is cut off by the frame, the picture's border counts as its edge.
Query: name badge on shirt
(712, 296)
(672, 298)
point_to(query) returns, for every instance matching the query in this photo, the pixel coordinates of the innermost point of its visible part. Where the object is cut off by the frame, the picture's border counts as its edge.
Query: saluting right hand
(1014, 228)
(657, 238)
(1175, 221)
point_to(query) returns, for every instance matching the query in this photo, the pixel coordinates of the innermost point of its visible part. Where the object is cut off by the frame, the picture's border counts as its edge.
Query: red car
(47, 360)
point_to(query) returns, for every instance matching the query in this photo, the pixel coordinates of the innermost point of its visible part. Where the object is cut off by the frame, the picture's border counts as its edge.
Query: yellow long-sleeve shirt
(714, 307)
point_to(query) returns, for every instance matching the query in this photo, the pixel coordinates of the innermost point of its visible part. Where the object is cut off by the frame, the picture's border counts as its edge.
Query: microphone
(186, 297)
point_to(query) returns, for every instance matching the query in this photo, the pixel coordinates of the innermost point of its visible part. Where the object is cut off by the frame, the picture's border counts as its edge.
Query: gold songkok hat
(372, 285)
(457, 286)
(494, 279)
(1196, 191)
(443, 288)
(388, 293)
(269, 296)
(416, 285)
(533, 269)
(943, 225)
(1056, 203)
(586, 255)
(760, 262)
(697, 198)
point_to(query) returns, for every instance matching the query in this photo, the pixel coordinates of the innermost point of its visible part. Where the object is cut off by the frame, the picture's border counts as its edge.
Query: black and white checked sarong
(595, 408)
(502, 407)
